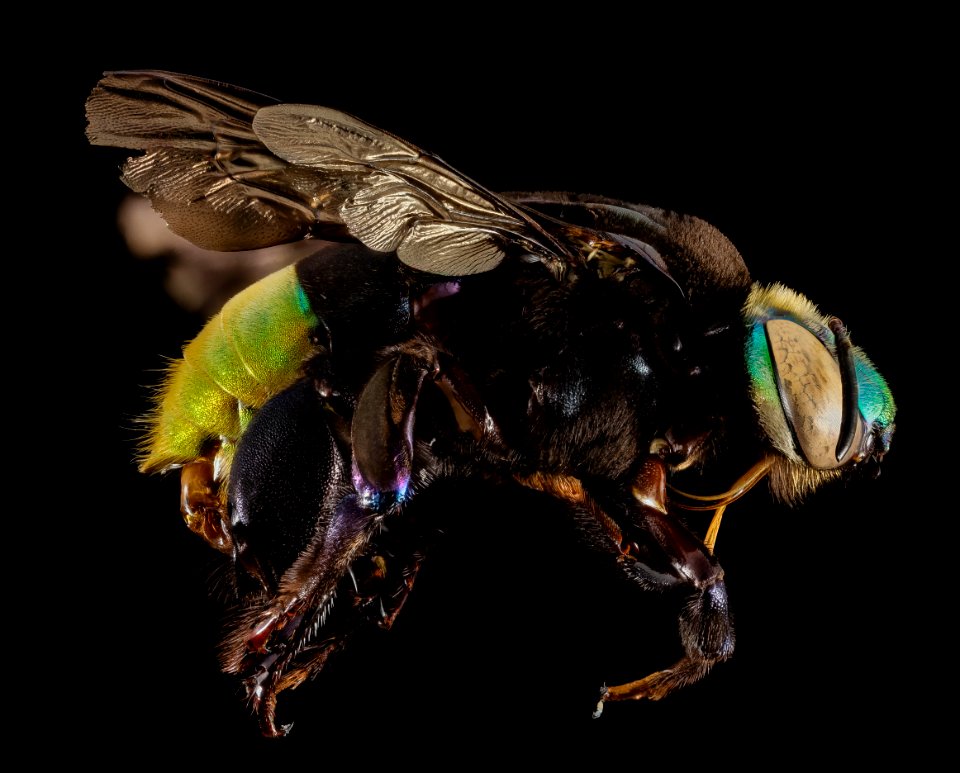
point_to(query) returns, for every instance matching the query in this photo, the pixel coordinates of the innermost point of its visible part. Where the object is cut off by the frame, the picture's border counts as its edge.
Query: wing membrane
(231, 169)
(204, 169)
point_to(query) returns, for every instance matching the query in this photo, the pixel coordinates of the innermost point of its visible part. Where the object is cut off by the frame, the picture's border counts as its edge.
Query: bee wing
(204, 169)
(401, 198)
(231, 169)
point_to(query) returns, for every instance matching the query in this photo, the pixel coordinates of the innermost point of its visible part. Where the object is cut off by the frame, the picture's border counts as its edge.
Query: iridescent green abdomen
(250, 351)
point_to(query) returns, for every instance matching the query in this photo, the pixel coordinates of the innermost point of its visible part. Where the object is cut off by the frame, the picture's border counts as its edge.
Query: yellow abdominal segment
(246, 354)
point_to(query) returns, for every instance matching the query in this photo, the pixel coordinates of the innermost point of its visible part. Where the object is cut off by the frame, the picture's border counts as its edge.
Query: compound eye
(811, 392)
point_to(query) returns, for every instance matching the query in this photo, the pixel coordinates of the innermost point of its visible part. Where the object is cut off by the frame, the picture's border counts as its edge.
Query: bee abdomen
(251, 350)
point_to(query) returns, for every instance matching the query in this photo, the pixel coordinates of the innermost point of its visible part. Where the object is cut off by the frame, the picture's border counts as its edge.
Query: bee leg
(658, 553)
(707, 635)
(672, 557)
(390, 580)
(264, 647)
(294, 437)
(261, 648)
(374, 592)
(295, 642)
(382, 426)
(390, 610)
(202, 507)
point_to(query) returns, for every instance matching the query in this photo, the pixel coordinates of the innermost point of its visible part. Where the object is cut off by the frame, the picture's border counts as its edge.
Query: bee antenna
(851, 390)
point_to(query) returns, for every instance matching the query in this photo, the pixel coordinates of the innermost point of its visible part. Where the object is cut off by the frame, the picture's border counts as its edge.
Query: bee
(612, 358)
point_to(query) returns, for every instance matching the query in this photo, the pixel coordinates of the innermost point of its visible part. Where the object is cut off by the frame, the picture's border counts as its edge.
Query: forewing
(204, 169)
(403, 199)
(231, 169)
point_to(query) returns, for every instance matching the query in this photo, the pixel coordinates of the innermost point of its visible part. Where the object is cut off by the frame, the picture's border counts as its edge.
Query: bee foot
(263, 700)
(599, 709)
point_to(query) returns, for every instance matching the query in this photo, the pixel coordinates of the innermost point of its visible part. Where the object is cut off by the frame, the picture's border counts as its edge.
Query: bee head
(821, 402)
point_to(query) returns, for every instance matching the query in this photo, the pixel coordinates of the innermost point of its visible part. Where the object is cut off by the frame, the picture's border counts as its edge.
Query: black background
(808, 149)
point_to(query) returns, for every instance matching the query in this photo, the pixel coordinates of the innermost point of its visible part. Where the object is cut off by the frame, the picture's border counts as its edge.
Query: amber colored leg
(710, 541)
(659, 684)
(204, 511)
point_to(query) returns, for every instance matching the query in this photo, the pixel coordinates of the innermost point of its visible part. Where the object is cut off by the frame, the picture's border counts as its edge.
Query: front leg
(707, 635)
(657, 552)
(706, 629)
